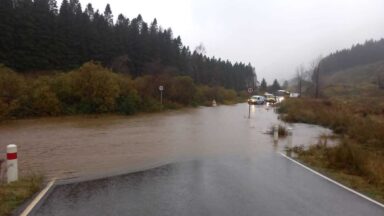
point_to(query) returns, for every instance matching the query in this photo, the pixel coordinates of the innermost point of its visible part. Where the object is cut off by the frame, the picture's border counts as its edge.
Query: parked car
(257, 100)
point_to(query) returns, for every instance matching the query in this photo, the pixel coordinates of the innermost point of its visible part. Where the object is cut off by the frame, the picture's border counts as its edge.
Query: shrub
(149, 104)
(128, 100)
(63, 88)
(11, 89)
(128, 103)
(182, 90)
(205, 95)
(96, 87)
(40, 99)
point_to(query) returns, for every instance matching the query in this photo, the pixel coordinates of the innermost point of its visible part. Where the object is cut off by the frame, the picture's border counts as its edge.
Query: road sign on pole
(250, 90)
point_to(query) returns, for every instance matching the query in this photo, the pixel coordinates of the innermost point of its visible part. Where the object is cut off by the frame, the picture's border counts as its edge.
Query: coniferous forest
(360, 54)
(39, 35)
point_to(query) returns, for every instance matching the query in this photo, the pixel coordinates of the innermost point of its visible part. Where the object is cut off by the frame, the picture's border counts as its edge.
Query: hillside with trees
(40, 36)
(361, 54)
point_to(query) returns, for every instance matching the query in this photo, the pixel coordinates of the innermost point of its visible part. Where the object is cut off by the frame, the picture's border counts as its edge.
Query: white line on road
(333, 181)
(37, 199)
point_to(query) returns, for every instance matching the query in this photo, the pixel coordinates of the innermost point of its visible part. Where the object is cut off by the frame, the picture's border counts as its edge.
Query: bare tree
(316, 79)
(315, 70)
(300, 76)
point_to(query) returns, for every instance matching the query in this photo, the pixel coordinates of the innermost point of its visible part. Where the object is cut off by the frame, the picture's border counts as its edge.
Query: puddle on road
(77, 147)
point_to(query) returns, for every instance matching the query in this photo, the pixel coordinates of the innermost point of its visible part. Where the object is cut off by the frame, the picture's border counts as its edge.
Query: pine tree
(108, 15)
(89, 11)
(275, 86)
(34, 36)
(263, 86)
(6, 25)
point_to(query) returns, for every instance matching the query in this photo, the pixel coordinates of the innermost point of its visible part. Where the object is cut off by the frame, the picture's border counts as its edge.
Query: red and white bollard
(12, 169)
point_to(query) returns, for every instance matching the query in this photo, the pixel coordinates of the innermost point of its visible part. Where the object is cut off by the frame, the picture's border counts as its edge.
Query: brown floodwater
(98, 146)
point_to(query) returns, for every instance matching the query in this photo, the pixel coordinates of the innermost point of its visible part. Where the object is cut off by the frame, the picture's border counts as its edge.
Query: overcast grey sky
(274, 35)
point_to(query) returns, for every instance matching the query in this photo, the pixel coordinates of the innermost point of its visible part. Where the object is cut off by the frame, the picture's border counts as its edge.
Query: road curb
(333, 181)
(38, 198)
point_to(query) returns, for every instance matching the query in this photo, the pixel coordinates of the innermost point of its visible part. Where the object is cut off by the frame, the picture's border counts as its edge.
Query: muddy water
(89, 147)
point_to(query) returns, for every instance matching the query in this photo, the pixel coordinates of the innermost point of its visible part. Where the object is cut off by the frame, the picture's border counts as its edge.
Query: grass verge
(316, 157)
(357, 161)
(14, 194)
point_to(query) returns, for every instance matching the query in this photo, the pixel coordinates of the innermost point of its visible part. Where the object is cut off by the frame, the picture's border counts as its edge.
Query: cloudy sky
(273, 35)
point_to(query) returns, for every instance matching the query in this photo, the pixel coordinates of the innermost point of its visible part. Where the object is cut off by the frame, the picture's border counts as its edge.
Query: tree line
(37, 35)
(369, 52)
(93, 88)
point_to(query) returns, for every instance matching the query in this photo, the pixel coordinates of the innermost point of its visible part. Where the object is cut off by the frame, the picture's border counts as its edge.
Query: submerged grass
(282, 131)
(357, 160)
(14, 194)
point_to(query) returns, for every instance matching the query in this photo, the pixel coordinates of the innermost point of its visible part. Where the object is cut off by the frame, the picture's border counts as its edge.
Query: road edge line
(333, 181)
(37, 199)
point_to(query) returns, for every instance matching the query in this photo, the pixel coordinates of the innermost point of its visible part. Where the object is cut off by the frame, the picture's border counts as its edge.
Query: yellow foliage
(96, 86)
(182, 89)
(42, 98)
(11, 88)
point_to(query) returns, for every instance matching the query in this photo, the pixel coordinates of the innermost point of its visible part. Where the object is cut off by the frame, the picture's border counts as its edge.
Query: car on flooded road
(270, 98)
(256, 100)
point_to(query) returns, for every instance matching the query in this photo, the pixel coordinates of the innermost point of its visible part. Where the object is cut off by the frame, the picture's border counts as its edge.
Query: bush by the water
(95, 89)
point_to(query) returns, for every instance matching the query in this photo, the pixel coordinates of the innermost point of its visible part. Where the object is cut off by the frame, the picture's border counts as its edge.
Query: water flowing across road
(89, 147)
(204, 161)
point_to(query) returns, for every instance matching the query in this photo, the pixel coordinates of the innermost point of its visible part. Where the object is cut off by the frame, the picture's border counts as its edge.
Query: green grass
(14, 194)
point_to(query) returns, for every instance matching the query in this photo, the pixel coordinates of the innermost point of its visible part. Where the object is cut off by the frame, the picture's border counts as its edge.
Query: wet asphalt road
(250, 179)
(226, 186)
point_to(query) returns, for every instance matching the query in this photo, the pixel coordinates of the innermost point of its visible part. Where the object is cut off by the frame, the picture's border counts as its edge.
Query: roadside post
(289, 145)
(289, 137)
(250, 90)
(161, 89)
(12, 169)
(214, 103)
(276, 133)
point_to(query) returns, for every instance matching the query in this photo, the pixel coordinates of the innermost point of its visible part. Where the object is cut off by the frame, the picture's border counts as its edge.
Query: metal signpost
(250, 90)
(161, 89)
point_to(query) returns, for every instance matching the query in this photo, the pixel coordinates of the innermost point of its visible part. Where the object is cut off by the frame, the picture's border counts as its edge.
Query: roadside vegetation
(94, 89)
(358, 159)
(14, 194)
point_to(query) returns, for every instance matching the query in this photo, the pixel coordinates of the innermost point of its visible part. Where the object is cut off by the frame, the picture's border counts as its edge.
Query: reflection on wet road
(219, 162)
(261, 185)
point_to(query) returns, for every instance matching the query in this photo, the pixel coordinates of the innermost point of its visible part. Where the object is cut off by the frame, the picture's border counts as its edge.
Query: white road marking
(37, 199)
(333, 181)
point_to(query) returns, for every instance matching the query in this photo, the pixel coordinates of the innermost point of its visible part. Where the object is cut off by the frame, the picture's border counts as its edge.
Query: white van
(257, 100)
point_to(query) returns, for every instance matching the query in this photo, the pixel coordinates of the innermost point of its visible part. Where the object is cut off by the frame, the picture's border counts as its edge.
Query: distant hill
(363, 74)
(365, 82)
(361, 54)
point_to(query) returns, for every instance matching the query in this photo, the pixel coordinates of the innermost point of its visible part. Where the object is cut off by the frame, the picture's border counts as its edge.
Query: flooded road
(90, 147)
(205, 161)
